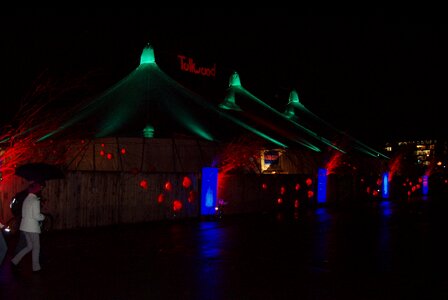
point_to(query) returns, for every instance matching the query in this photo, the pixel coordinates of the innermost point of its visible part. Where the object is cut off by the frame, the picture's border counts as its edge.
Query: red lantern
(308, 182)
(144, 184)
(161, 198)
(168, 186)
(310, 194)
(282, 190)
(186, 183)
(177, 205)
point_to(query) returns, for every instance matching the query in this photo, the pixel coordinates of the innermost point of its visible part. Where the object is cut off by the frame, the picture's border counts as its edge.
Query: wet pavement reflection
(379, 250)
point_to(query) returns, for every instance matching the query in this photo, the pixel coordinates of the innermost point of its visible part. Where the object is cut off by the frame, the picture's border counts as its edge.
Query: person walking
(30, 226)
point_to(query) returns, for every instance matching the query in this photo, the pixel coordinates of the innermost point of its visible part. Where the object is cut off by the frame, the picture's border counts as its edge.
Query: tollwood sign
(187, 64)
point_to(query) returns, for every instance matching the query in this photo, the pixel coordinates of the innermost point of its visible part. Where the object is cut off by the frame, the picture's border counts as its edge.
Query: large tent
(150, 122)
(150, 115)
(148, 137)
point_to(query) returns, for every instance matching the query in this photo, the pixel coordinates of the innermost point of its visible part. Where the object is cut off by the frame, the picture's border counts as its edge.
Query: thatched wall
(91, 199)
(100, 190)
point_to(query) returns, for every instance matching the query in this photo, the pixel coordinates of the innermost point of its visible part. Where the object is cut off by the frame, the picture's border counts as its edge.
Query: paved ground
(380, 251)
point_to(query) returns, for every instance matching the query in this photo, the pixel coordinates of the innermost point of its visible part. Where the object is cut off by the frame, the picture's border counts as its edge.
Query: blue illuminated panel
(209, 191)
(385, 187)
(425, 185)
(321, 185)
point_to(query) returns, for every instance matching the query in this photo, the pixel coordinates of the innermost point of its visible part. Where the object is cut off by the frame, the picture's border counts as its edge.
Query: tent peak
(147, 56)
(294, 98)
(293, 102)
(234, 79)
(229, 101)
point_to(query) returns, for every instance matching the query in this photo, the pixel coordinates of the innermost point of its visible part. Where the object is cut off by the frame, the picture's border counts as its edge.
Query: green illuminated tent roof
(149, 103)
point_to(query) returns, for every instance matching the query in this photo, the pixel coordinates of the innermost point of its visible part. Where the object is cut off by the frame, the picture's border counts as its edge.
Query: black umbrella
(39, 172)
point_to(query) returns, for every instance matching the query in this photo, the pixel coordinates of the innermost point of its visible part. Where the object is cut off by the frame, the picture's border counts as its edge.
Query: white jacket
(31, 214)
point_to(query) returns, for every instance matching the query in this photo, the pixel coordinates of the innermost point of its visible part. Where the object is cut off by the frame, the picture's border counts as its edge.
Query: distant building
(423, 154)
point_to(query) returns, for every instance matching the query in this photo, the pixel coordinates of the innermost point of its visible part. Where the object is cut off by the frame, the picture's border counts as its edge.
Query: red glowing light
(279, 200)
(144, 184)
(186, 183)
(310, 194)
(102, 153)
(109, 156)
(102, 145)
(282, 190)
(296, 203)
(309, 181)
(177, 205)
(168, 186)
(123, 151)
(161, 198)
(264, 186)
(297, 187)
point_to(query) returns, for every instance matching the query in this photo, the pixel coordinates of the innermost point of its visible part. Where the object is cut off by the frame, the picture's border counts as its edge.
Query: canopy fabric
(149, 103)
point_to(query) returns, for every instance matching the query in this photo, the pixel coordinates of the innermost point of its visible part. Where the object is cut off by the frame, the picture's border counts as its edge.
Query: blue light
(321, 185)
(425, 185)
(209, 191)
(385, 189)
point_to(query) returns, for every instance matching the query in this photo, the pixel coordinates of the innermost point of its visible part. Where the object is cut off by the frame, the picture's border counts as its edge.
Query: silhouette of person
(30, 226)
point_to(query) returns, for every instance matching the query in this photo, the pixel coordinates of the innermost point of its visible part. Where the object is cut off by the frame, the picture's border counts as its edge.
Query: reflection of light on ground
(322, 214)
(386, 208)
(210, 239)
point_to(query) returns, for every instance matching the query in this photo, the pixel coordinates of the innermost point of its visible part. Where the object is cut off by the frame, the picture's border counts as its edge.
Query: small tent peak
(294, 98)
(293, 102)
(147, 56)
(229, 101)
(234, 80)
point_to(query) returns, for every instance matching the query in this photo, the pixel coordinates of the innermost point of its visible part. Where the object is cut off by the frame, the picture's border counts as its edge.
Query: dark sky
(378, 78)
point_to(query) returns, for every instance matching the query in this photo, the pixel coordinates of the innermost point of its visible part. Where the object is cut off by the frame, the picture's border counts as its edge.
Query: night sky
(377, 78)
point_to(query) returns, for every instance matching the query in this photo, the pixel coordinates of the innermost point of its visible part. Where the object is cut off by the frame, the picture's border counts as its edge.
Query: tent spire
(292, 103)
(229, 101)
(234, 80)
(147, 56)
(294, 99)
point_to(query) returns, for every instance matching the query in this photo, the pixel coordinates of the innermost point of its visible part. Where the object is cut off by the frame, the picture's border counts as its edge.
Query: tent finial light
(147, 56)
(234, 80)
